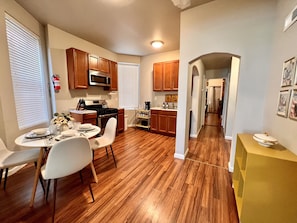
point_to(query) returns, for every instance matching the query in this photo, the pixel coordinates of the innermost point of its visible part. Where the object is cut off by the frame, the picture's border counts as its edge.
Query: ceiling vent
(291, 18)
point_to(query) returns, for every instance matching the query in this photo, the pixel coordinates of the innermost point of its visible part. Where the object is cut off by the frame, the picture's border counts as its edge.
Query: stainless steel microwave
(98, 79)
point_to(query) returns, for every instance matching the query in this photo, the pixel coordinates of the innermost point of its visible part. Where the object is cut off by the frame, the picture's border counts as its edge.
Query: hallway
(210, 147)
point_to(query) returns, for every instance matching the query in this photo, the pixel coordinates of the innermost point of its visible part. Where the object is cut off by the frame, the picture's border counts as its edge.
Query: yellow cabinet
(264, 182)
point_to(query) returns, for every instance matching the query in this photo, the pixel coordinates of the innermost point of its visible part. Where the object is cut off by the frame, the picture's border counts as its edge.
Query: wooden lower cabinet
(163, 122)
(85, 118)
(121, 120)
(171, 124)
(154, 120)
(264, 182)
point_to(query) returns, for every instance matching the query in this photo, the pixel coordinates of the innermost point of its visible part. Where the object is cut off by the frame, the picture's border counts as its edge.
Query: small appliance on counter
(147, 105)
(81, 104)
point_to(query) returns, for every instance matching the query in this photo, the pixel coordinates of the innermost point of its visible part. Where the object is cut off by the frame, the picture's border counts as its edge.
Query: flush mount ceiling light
(182, 4)
(157, 43)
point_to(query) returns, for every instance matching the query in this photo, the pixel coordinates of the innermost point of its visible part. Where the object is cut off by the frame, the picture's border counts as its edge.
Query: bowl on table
(41, 131)
(68, 133)
(86, 126)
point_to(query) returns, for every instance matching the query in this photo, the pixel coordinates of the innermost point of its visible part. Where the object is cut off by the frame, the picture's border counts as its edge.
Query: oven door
(102, 120)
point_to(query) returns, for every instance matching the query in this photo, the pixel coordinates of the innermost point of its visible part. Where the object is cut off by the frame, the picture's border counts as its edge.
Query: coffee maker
(147, 105)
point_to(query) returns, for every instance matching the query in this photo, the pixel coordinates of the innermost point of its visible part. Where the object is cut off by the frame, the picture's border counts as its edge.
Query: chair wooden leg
(47, 189)
(5, 178)
(54, 205)
(115, 163)
(94, 172)
(1, 173)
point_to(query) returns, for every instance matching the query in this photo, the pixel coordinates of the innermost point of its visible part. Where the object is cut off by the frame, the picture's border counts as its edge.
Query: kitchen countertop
(83, 111)
(164, 109)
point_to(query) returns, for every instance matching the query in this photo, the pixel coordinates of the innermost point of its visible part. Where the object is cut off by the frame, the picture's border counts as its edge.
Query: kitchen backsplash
(171, 98)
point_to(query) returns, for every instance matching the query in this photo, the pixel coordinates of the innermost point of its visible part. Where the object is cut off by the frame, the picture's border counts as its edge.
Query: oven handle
(107, 115)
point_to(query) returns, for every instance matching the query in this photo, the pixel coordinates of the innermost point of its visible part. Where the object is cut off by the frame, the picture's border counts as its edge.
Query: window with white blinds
(128, 81)
(26, 73)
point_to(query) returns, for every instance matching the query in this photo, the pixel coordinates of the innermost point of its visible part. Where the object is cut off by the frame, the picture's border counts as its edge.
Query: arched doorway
(222, 66)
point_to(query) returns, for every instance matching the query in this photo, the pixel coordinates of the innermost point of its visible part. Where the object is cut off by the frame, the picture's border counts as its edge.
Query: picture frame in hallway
(282, 104)
(288, 73)
(293, 105)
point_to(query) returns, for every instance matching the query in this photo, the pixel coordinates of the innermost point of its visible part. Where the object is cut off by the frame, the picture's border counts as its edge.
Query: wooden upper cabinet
(158, 77)
(113, 76)
(93, 62)
(77, 66)
(174, 75)
(166, 76)
(99, 63)
(104, 65)
(167, 70)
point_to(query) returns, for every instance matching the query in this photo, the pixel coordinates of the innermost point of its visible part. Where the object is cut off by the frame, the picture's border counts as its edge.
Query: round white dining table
(47, 142)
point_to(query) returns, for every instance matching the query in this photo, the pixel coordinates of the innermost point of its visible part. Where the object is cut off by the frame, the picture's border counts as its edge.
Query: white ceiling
(121, 26)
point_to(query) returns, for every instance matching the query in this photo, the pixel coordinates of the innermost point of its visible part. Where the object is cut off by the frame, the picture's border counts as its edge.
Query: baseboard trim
(181, 156)
(231, 168)
(228, 137)
(194, 135)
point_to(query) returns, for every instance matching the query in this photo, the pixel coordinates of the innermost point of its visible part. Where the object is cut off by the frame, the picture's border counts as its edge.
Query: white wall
(232, 97)
(284, 129)
(198, 105)
(242, 28)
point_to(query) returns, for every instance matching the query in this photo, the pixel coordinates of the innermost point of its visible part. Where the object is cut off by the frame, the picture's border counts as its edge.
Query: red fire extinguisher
(56, 82)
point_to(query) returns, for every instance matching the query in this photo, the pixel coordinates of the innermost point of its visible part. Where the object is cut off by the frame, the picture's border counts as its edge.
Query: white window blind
(128, 81)
(26, 73)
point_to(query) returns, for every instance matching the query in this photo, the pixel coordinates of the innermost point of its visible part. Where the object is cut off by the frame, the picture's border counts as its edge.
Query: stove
(103, 113)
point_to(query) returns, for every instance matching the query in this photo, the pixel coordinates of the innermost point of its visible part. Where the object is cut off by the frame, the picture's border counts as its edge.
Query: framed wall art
(288, 74)
(293, 105)
(282, 104)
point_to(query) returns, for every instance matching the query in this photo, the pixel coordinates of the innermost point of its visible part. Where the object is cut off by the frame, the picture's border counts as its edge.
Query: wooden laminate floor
(149, 185)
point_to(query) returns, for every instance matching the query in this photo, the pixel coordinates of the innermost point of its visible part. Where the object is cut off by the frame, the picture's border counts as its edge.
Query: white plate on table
(38, 133)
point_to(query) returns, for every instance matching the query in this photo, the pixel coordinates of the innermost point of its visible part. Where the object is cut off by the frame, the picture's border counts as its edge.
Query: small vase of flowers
(61, 121)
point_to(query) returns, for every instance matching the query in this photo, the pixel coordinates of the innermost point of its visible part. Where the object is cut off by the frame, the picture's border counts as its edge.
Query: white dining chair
(107, 138)
(10, 159)
(67, 157)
